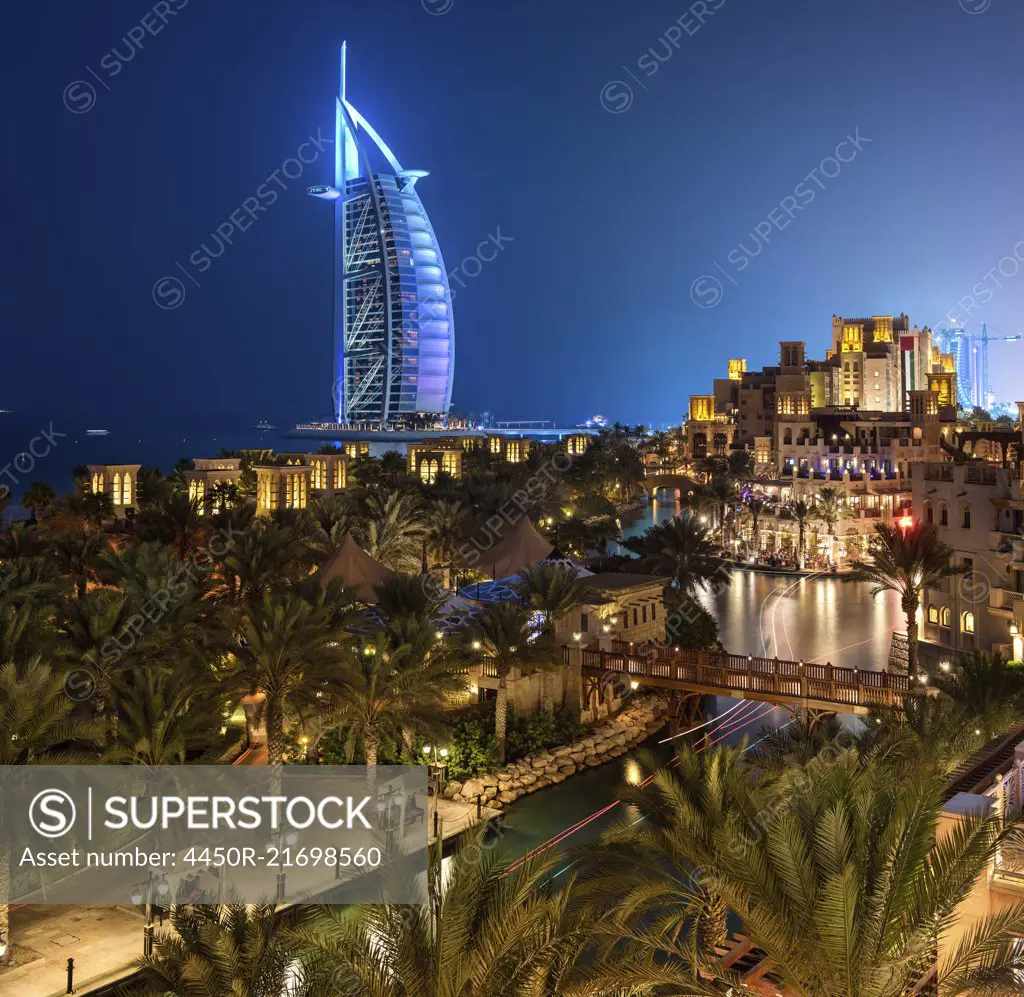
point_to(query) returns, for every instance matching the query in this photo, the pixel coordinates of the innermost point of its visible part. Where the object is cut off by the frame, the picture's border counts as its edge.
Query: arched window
(428, 471)
(943, 514)
(933, 614)
(945, 617)
(965, 516)
(117, 489)
(967, 623)
(929, 513)
(126, 493)
(787, 435)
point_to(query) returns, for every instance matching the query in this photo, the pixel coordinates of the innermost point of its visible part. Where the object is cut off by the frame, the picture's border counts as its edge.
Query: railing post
(856, 683)
(803, 680)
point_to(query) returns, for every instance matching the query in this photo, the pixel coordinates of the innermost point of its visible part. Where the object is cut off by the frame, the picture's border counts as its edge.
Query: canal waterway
(814, 618)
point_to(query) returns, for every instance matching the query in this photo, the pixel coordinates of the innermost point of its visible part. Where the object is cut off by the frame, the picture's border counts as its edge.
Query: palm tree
(699, 502)
(485, 930)
(830, 508)
(390, 694)
(30, 594)
(987, 688)
(553, 590)
(151, 486)
(100, 634)
(681, 548)
(176, 521)
(843, 885)
(236, 949)
(755, 505)
(38, 496)
(920, 734)
(673, 827)
(78, 512)
(290, 651)
(37, 724)
(446, 527)
(394, 531)
(724, 494)
(332, 518)
(392, 467)
(161, 717)
(76, 556)
(262, 559)
(501, 633)
(801, 510)
(905, 561)
(409, 597)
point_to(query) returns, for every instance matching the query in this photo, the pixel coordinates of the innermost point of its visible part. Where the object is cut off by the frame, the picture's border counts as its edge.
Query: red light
(905, 522)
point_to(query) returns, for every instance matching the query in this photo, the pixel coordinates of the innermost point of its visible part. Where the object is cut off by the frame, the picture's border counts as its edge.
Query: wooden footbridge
(795, 685)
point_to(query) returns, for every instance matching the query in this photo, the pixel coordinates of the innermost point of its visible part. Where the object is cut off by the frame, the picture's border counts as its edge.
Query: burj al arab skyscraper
(394, 338)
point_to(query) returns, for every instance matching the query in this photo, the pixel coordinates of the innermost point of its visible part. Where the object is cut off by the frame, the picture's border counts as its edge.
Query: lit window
(933, 614)
(428, 471)
(126, 492)
(967, 623)
(946, 617)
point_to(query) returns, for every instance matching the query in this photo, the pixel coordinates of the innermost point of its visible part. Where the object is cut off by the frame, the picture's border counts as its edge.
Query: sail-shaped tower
(394, 343)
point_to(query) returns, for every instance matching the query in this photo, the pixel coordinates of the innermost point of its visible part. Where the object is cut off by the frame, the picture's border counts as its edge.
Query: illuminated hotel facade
(394, 345)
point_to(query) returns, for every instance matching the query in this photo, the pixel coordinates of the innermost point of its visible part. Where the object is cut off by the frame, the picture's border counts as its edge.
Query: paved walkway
(103, 941)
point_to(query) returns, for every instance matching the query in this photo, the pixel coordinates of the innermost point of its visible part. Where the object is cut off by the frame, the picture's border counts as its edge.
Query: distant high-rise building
(394, 345)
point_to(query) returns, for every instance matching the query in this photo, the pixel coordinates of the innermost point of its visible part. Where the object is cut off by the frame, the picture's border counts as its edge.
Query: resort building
(629, 608)
(872, 369)
(511, 449)
(119, 481)
(427, 460)
(355, 448)
(979, 512)
(210, 481)
(707, 432)
(992, 782)
(281, 486)
(394, 345)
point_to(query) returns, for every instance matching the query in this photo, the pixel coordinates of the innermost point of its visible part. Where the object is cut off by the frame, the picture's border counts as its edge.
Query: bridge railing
(772, 677)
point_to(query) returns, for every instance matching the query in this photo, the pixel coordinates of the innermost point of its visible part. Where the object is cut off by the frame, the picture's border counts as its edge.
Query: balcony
(1008, 545)
(1001, 602)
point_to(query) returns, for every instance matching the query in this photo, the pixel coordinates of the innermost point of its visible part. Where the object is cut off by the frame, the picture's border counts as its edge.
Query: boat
(263, 425)
(97, 432)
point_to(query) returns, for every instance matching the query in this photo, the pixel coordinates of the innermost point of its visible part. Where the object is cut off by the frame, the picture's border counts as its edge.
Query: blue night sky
(613, 218)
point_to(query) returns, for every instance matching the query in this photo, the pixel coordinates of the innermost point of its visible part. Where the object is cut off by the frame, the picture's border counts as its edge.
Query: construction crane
(970, 353)
(986, 384)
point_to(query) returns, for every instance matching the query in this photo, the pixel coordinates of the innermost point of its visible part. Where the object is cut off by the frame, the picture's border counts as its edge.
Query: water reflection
(814, 619)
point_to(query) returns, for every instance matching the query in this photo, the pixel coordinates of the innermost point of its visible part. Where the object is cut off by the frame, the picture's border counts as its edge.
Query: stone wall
(608, 739)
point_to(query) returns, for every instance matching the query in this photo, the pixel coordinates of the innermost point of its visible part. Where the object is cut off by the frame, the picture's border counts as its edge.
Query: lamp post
(435, 774)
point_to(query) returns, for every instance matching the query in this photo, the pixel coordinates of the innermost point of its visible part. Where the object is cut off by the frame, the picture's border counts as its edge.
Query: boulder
(489, 793)
(506, 797)
(504, 785)
(567, 768)
(529, 780)
(452, 790)
(489, 780)
(591, 760)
